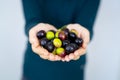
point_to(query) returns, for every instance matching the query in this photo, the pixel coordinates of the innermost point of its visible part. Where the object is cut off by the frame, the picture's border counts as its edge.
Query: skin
(44, 54)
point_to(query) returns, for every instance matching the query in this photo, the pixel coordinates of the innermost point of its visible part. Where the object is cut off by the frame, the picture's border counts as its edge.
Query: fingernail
(63, 60)
(71, 56)
(68, 60)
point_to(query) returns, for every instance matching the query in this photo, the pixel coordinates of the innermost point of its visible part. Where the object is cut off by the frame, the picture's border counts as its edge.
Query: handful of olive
(61, 42)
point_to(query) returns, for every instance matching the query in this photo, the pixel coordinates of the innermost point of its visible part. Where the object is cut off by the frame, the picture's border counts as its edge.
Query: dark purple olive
(72, 36)
(41, 34)
(79, 41)
(69, 49)
(49, 46)
(62, 35)
(75, 45)
(43, 42)
(65, 43)
(66, 31)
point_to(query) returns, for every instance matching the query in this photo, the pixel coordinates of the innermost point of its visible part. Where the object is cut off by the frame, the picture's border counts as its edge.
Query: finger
(51, 57)
(51, 27)
(32, 37)
(84, 45)
(77, 27)
(69, 26)
(85, 35)
(36, 50)
(57, 58)
(44, 57)
(40, 26)
(39, 50)
(71, 56)
(79, 52)
(63, 59)
(76, 53)
(83, 51)
(67, 58)
(76, 58)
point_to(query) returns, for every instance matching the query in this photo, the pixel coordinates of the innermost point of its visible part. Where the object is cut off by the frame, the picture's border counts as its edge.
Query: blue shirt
(57, 13)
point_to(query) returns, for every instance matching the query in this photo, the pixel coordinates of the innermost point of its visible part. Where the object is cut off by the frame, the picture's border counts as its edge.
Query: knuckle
(76, 24)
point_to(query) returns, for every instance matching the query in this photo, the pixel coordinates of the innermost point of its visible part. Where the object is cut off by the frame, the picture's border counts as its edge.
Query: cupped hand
(43, 53)
(85, 35)
(36, 48)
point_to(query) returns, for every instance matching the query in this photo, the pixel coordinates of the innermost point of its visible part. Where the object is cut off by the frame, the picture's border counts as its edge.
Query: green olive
(57, 42)
(50, 35)
(56, 34)
(60, 51)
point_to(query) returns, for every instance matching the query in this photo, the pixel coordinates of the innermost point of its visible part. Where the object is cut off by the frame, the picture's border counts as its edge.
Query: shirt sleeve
(86, 14)
(32, 14)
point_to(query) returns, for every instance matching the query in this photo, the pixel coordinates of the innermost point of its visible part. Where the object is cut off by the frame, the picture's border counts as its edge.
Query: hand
(82, 33)
(43, 53)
